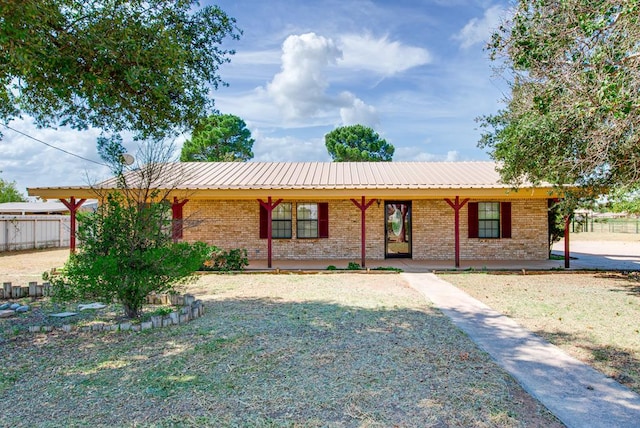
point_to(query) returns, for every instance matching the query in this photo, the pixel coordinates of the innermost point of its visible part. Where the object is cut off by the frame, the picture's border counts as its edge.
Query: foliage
(126, 254)
(127, 249)
(574, 110)
(353, 266)
(357, 143)
(625, 200)
(145, 66)
(556, 224)
(9, 193)
(234, 260)
(219, 138)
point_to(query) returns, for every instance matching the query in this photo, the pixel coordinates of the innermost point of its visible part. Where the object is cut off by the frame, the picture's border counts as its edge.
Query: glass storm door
(397, 215)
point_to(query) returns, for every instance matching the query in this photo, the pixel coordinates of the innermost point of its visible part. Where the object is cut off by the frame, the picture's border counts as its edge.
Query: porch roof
(241, 180)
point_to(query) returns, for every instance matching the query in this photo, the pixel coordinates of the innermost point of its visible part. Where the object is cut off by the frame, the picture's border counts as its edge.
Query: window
(281, 221)
(312, 220)
(489, 219)
(307, 220)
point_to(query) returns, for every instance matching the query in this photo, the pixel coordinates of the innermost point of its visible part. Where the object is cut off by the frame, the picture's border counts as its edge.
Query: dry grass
(594, 317)
(343, 350)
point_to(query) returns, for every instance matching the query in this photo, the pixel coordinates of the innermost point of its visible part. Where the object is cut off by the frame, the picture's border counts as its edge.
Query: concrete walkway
(577, 394)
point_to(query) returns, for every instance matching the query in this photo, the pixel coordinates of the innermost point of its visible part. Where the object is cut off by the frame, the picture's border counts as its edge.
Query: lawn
(343, 350)
(593, 316)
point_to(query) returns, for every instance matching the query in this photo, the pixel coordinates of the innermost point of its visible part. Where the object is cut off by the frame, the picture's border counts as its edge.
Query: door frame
(408, 230)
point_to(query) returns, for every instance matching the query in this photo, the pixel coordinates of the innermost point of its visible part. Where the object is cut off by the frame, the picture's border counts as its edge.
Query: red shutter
(323, 220)
(473, 219)
(505, 218)
(264, 225)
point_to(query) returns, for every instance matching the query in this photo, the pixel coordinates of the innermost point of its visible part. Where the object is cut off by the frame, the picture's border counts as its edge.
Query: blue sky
(415, 71)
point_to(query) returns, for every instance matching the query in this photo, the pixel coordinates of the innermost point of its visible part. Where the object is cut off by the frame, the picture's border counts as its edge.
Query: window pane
(307, 211)
(307, 220)
(281, 221)
(489, 219)
(281, 229)
(307, 229)
(489, 210)
(282, 211)
(489, 229)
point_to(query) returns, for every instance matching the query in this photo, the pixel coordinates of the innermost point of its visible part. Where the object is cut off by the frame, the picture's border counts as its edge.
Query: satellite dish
(126, 159)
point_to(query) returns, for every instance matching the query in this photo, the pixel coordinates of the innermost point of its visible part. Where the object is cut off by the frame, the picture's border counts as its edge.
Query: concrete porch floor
(606, 256)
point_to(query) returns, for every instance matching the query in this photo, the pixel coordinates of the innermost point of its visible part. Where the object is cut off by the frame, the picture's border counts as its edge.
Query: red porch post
(457, 206)
(176, 218)
(363, 206)
(73, 206)
(269, 206)
(567, 223)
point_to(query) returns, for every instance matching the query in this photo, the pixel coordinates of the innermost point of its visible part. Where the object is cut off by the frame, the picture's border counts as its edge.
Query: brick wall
(235, 224)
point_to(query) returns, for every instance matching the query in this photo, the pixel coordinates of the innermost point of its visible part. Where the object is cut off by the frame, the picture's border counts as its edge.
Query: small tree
(127, 250)
(219, 138)
(9, 193)
(556, 223)
(357, 143)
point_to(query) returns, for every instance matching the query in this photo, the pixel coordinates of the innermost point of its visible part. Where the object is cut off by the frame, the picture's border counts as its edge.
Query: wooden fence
(34, 231)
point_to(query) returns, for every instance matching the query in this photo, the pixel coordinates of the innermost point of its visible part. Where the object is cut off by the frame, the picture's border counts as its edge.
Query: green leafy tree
(127, 249)
(574, 111)
(9, 193)
(625, 200)
(357, 143)
(219, 138)
(145, 66)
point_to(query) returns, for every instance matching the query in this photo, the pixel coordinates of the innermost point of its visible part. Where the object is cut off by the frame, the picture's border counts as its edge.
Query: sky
(413, 70)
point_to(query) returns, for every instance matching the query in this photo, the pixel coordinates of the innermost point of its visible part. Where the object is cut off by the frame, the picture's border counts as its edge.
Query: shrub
(225, 261)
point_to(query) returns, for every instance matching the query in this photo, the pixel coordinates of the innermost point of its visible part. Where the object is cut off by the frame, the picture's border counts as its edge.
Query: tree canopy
(145, 66)
(9, 193)
(357, 143)
(219, 138)
(573, 116)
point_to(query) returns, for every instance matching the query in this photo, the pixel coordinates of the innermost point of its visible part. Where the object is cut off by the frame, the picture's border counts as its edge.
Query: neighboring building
(314, 210)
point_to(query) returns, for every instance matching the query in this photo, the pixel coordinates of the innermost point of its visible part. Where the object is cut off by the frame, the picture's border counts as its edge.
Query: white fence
(34, 231)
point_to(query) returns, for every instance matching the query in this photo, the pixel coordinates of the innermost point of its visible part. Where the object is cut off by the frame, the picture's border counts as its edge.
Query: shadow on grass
(617, 363)
(266, 362)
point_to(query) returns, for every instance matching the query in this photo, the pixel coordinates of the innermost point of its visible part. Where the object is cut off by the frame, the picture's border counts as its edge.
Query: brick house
(351, 211)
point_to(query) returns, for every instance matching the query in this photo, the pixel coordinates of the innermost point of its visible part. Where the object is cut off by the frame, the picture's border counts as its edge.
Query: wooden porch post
(73, 206)
(269, 206)
(363, 206)
(176, 218)
(567, 258)
(457, 206)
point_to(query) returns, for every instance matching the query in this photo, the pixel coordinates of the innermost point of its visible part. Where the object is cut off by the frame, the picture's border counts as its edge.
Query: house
(353, 210)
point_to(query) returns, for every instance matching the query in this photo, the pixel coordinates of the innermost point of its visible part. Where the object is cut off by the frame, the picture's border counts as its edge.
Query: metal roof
(32, 207)
(332, 179)
(329, 175)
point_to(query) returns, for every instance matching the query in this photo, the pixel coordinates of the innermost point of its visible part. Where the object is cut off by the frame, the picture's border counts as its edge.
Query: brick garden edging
(191, 309)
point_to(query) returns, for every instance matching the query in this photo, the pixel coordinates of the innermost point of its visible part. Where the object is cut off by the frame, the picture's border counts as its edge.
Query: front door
(397, 215)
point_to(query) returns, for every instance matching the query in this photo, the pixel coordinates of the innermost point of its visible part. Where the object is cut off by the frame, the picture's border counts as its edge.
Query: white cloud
(478, 30)
(299, 88)
(384, 57)
(414, 153)
(33, 164)
(357, 112)
(288, 148)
